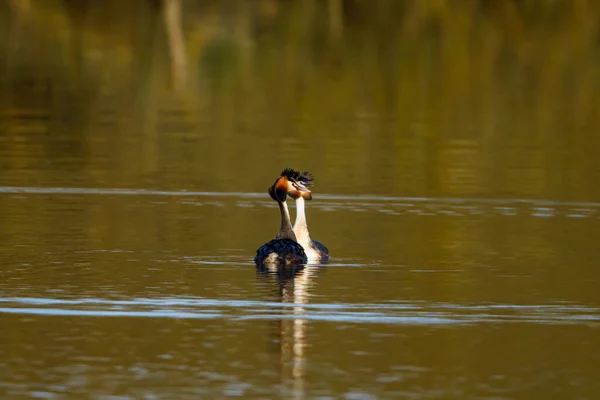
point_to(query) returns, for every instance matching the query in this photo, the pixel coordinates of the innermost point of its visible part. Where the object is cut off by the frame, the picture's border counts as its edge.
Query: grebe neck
(285, 231)
(300, 226)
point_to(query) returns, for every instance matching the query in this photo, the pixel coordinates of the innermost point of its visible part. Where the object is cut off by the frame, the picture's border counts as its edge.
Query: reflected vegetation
(454, 145)
(472, 98)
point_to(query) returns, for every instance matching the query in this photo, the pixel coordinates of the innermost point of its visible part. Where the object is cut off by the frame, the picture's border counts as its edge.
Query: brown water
(458, 196)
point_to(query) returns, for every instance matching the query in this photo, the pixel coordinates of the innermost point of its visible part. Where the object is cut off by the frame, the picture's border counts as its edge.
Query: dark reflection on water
(454, 146)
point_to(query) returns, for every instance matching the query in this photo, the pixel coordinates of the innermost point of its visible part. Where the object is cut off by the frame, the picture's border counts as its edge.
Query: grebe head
(290, 182)
(303, 181)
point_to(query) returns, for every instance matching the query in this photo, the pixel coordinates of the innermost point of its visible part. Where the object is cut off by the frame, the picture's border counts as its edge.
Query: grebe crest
(284, 250)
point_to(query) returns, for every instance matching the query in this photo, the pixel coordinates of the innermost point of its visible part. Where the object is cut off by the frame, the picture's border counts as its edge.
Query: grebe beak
(298, 185)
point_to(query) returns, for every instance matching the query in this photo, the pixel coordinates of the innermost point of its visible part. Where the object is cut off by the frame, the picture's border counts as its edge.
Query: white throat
(300, 226)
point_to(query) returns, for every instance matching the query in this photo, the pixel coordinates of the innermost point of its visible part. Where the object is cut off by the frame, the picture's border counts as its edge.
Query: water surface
(456, 188)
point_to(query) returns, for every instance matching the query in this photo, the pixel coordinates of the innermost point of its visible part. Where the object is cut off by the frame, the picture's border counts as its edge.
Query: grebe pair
(292, 245)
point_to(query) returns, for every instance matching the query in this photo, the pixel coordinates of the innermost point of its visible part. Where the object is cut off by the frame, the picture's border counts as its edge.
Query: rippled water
(395, 312)
(115, 293)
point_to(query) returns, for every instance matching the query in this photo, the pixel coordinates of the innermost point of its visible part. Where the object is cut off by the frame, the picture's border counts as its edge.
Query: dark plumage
(321, 248)
(306, 178)
(291, 174)
(276, 194)
(283, 252)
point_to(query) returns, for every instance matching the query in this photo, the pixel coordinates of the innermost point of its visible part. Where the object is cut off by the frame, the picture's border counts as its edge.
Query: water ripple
(409, 313)
(387, 205)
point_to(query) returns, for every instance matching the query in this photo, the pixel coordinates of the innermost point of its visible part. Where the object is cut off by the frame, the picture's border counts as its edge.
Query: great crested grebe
(284, 249)
(315, 251)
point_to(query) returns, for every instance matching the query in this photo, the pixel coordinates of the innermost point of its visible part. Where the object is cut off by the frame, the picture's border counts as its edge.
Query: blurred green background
(417, 98)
